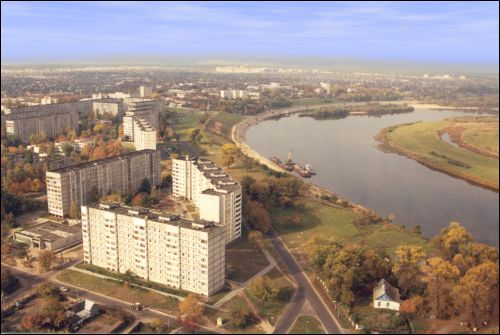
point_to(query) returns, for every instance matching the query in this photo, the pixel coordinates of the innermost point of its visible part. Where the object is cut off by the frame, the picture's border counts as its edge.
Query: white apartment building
(233, 94)
(217, 196)
(123, 173)
(108, 106)
(147, 109)
(144, 135)
(158, 247)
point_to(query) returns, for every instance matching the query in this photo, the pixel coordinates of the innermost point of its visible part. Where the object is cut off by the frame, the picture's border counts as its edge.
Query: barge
(290, 165)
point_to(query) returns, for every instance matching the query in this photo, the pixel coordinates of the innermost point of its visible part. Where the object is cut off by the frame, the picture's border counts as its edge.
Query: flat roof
(51, 231)
(104, 160)
(157, 216)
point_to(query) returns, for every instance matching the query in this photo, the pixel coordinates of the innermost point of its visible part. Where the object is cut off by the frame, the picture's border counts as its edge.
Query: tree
(145, 186)
(476, 295)
(240, 319)
(258, 217)
(406, 268)
(28, 157)
(229, 154)
(263, 289)
(452, 239)
(255, 236)
(193, 134)
(138, 199)
(31, 322)
(93, 195)
(67, 149)
(190, 307)
(442, 276)
(9, 282)
(74, 212)
(413, 306)
(248, 163)
(45, 259)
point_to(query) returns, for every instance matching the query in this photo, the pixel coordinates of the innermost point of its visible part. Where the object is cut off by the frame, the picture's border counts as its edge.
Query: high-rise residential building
(144, 135)
(160, 247)
(145, 91)
(82, 183)
(217, 196)
(147, 109)
(51, 119)
(109, 106)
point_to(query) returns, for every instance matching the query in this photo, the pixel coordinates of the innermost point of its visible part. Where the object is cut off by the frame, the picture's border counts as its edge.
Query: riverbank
(422, 142)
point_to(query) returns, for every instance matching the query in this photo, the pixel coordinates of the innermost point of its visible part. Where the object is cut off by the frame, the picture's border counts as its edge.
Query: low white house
(386, 296)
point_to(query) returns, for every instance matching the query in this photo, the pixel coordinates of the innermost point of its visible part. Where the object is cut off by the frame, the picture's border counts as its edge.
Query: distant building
(144, 135)
(386, 296)
(145, 91)
(109, 106)
(217, 196)
(47, 100)
(52, 119)
(50, 235)
(123, 173)
(159, 247)
(147, 109)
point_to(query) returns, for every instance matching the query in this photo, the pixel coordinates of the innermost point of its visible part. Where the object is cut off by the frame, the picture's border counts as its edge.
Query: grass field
(116, 290)
(479, 135)
(319, 220)
(312, 101)
(223, 122)
(272, 310)
(235, 304)
(307, 325)
(250, 252)
(421, 141)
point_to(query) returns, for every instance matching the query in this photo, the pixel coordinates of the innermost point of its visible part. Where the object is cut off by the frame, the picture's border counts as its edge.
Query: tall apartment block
(217, 196)
(123, 173)
(144, 135)
(147, 109)
(52, 119)
(159, 247)
(109, 106)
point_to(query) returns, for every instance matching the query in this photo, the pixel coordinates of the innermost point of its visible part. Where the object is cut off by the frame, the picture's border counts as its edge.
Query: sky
(448, 32)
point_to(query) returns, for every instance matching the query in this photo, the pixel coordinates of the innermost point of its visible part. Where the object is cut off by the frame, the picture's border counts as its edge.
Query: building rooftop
(384, 288)
(50, 231)
(101, 161)
(157, 216)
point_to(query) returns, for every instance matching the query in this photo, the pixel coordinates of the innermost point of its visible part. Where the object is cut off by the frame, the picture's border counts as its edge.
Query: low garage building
(50, 235)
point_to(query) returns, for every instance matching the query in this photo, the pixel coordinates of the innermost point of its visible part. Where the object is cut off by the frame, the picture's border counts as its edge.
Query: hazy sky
(443, 32)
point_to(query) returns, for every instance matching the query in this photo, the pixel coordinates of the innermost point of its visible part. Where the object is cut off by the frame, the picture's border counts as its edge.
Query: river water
(345, 156)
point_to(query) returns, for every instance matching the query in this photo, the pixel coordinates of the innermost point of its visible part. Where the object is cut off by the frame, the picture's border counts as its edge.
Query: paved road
(305, 289)
(28, 281)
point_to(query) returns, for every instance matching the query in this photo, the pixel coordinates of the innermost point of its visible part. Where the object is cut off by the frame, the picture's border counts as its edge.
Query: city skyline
(414, 32)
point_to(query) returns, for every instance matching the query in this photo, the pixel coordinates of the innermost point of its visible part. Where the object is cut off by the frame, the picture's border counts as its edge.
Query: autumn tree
(406, 268)
(452, 239)
(442, 276)
(229, 154)
(45, 259)
(476, 295)
(413, 306)
(31, 322)
(191, 307)
(263, 289)
(258, 217)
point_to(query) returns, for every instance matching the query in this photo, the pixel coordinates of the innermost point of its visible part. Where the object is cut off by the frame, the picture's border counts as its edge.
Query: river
(345, 156)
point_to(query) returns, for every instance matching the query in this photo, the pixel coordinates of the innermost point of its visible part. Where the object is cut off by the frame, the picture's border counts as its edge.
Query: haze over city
(249, 167)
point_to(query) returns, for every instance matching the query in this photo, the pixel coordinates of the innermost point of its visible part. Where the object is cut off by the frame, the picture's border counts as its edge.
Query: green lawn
(114, 289)
(272, 310)
(247, 250)
(319, 220)
(307, 325)
(223, 122)
(421, 141)
(235, 304)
